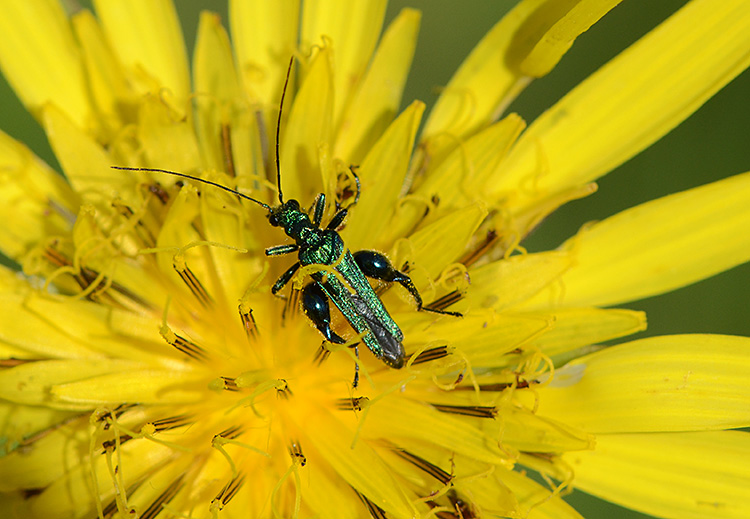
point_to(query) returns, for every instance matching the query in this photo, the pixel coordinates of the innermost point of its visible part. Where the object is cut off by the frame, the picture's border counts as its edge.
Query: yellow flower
(147, 368)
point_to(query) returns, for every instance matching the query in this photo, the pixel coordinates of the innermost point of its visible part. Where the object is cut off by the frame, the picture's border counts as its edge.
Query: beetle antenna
(201, 180)
(278, 126)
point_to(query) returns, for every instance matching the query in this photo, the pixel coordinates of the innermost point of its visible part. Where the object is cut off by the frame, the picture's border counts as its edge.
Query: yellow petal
(40, 58)
(167, 138)
(309, 126)
(20, 422)
(176, 233)
(632, 101)
(461, 177)
(490, 494)
(235, 271)
(34, 197)
(534, 499)
(87, 323)
(359, 466)
(228, 122)
(30, 383)
(381, 177)
(147, 37)
(552, 31)
(656, 247)
(506, 283)
(110, 93)
(353, 28)
(45, 459)
(577, 327)
(437, 245)
(425, 424)
(166, 487)
(11, 281)
(265, 37)
(530, 432)
(217, 89)
(85, 163)
(484, 340)
(324, 494)
(529, 40)
(670, 383)
(131, 286)
(162, 387)
(467, 103)
(71, 495)
(378, 96)
(34, 334)
(687, 475)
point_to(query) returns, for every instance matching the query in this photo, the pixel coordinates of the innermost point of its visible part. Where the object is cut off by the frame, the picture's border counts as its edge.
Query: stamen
(502, 386)
(28, 493)
(226, 149)
(263, 141)
(12, 362)
(111, 445)
(183, 345)
(229, 436)
(375, 511)
(165, 424)
(193, 283)
(248, 321)
(424, 465)
(63, 211)
(477, 411)
(109, 417)
(229, 384)
(291, 307)
(464, 510)
(474, 255)
(115, 474)
(352, 404)
(230, 433)
(111, 286)
(283, 390)
(94, 284)
(109, 510)
(159, 192)
(147, 237)
(295, 451)
(55, 257)
(447, 300)
(322, 353)
(227, 493)
(165, 497)
(219, 440)
(438, 352)
(87, 279)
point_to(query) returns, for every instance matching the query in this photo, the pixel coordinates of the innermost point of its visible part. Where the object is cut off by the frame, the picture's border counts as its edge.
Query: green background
(711, 145)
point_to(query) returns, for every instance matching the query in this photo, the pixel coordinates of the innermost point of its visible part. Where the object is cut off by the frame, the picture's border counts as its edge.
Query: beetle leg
(376, 265)
(337, 220)
(319, 207)
(284, 278)
(316, 307)
(356, 181)
(280, 250)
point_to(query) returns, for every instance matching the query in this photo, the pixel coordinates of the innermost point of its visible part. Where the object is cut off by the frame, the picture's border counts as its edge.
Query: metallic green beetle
(354, 297)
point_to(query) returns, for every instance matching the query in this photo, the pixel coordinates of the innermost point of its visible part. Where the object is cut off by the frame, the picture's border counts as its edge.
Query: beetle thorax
(292, 219)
